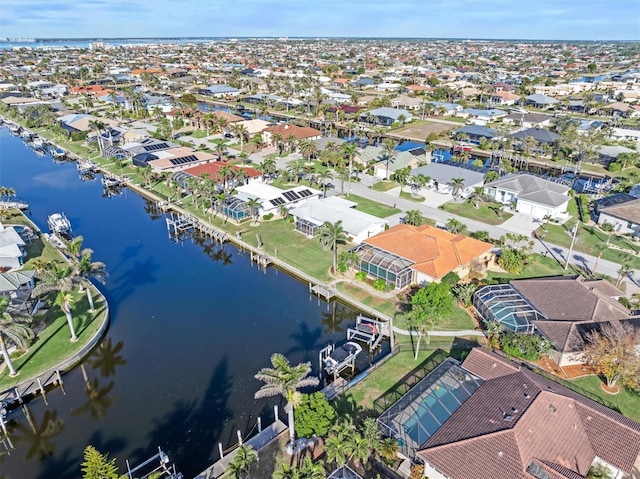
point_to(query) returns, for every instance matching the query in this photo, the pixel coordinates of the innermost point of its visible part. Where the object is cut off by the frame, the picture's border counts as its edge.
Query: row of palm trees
(63, 279)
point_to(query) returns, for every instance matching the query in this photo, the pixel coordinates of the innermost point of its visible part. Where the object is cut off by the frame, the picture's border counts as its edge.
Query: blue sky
(527, 19)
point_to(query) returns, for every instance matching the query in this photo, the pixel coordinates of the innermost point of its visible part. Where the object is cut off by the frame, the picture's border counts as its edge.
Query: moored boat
(60, 224)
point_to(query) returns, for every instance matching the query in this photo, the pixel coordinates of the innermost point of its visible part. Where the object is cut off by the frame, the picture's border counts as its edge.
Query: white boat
(15, 129)
(59, 223)
(39, 142)
(111, 182)
(15, 203)
(58, 153)
(86, 167)
(341, 357)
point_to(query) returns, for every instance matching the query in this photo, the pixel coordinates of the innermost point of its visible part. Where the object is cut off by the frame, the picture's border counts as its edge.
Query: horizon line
(313, 37)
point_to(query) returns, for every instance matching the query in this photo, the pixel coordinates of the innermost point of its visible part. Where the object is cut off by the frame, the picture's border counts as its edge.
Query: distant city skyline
(495, 19)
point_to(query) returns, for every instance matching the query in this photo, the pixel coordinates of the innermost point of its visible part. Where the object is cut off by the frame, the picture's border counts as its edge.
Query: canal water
(190, 326)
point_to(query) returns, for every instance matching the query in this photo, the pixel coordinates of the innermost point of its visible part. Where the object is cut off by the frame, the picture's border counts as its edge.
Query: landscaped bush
(268, 216)
(314, 415)
(450, 278)
(361, 275)
(511, 260)
(379, 284)
(530, 347)
(614, 167)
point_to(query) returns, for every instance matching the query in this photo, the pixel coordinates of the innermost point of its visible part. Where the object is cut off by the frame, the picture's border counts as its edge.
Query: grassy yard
(372, 207)
(540, 266)
(408, 196)
(458, 319)
(385, 306)
(282, 241)
(483, 213)
(385, 185)
(588, 239)
(626, 401)
(52, 344)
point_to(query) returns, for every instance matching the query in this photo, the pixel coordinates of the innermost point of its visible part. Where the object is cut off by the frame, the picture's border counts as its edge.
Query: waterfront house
(311, 215)
(219, 91)
(474, 133)
(609, 153)
(540, 135)
(16, 286)
(386, 116)
(528, 120)
(563, 309)
(212, 170)
(532, 195)
(540, 101)
(287, 130)
(11, 248)
(404, 255)
(272, 199)
(513, 422)
(481, 117)
(178, 158)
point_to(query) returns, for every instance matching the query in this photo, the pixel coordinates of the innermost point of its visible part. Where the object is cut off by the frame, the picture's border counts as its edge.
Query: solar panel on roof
(418, 151)
(304, 193)
(273, 202)
(157, 146)
(278, 201)
(183, 160)
(291, 195)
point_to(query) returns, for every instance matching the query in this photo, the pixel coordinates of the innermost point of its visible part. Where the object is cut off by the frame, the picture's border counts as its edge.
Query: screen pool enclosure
(504, 304)
(418, 415)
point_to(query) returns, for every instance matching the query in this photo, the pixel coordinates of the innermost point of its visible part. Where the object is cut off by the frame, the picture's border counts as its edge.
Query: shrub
(361, 275)
(511, 260)
(379, 284)
(614, 167)
(450, 278)
(314, 415)
(268, 216)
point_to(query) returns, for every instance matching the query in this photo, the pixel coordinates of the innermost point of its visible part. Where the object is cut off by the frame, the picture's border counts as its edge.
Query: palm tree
(285, 380)
(330, 235)
(457, 185)
(324, 177)
(83, 268)
(244, 458)
(476, 196)
(64, 300)
(221, 150)
(254, 205)
(241, 132)
(308, 149)
(98, 127)
(454, 226)
(600, 248)
(16, 327)
(389, 149)
(414, 217)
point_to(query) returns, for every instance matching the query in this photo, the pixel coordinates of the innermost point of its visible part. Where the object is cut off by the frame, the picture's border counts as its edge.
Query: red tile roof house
(286, 130)
(563, 309)
(405, 254)
(489, 418)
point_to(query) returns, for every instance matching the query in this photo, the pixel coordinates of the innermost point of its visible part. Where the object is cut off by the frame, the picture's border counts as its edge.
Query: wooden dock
(258, 441)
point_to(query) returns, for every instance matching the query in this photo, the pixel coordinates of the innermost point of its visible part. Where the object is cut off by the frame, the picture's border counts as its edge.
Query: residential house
(489, 417)
(563, 309)
(620, 210)
(376, 156)
(178, 158)
(446, 108)
(11, 248)
(386, 116)
(406, 254)
(528, 120)
(286, 130)
(443, 174)
(541, 135)
(540, 101)
(503, 98)
(532, 195)
(313, 213)
(212, 170)
(220, 91)
(609, 153)
(407, 102)
(474, 133)
(16, 286)
(481, 117)
(272, 199)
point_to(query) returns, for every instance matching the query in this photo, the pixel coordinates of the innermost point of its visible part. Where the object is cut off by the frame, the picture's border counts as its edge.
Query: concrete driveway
(521, 224)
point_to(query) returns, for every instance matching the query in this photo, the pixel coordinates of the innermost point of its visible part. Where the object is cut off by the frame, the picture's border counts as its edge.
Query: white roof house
(272, 198)
(11, 251)
(310, 215)
(532, 195)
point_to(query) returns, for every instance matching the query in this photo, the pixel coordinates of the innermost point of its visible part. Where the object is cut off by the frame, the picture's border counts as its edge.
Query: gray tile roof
(532, 188)
(443, 173)
(629, 211)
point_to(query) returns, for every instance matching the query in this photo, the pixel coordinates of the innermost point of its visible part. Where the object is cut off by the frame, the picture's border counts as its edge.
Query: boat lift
(367, 330)
(156, 466)
(334, 360)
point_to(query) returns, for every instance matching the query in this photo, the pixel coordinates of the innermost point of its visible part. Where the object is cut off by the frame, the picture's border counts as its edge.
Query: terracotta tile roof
(299, 132)
(548, 425)
(487, 365)
(434, 251)
(212, 169)
(565, 298)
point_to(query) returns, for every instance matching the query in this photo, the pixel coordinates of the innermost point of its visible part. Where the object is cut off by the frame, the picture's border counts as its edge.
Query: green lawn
(626, 401)
(372, 207)
(538, 267)
(483, 213)
(198, 134)
(385, 306)
(292, 247)
(459, 319)
(385, 185)
(52, 344)
(587, 240)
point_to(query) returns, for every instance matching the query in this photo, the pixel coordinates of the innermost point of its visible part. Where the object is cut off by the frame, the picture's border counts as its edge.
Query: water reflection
(38, 435)
(106, 357)
(99, 398)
